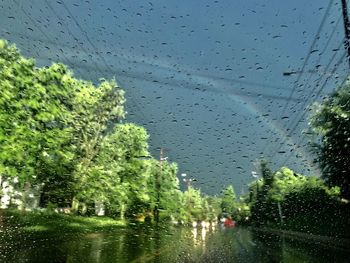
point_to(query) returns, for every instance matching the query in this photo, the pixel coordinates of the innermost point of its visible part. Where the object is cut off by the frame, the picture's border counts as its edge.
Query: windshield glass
(170, 131)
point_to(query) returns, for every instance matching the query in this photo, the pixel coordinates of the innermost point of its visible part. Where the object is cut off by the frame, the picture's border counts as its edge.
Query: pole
(255, 175)
(346, 28)
(280, 212)
(188, 182)
(158, 175)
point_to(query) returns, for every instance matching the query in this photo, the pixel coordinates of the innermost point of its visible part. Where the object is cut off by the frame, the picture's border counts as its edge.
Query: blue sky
(204, 77)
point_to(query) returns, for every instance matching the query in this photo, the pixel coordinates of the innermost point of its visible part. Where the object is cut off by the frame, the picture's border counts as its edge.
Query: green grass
(13, 221)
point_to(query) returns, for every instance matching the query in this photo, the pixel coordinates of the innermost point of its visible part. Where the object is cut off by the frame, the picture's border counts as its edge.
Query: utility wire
(303, 138)
(147, 78)
(86, 36)
(110, 70)
(295, 120)
(309, 53)
(293, 128)
(305, 112)
(43, 32)
(317, 63)
(73, 36)
(49, 39)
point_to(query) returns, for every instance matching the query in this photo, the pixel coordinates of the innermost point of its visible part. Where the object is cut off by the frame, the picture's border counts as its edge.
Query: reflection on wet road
(171, 244)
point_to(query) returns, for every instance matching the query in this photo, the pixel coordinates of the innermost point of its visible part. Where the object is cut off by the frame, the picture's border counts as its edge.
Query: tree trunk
(25, 191)
(122, 211)
(75, 205)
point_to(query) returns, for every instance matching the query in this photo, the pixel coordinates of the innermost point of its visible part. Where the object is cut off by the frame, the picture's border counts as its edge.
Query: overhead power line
(108, 67)
(339, 62)
(347, 47)
(292, 122)
(41, 31)
(72, 34)
(303, 138)
(309, 54)
(295, 120)
(346, 28)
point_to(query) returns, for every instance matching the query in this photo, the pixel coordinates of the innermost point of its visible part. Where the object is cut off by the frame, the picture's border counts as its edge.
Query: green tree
(163, 186)
(289, 195)
(267, 175)
(169, 190)
(94, 113)
(331, 121)
(51, 124)
(260, 209)
(228, 200)
(192, 205)
(285, 181)
(35, 111)
(254, 188)
(214, 207)
(117, 176)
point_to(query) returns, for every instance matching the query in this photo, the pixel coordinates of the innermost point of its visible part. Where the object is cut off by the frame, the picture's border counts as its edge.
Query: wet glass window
(174, 131)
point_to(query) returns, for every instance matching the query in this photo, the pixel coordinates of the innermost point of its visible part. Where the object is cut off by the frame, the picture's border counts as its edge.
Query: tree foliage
(65, 134)
(290, 192)
(35, 117)
(331, 121)
(228, 200)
